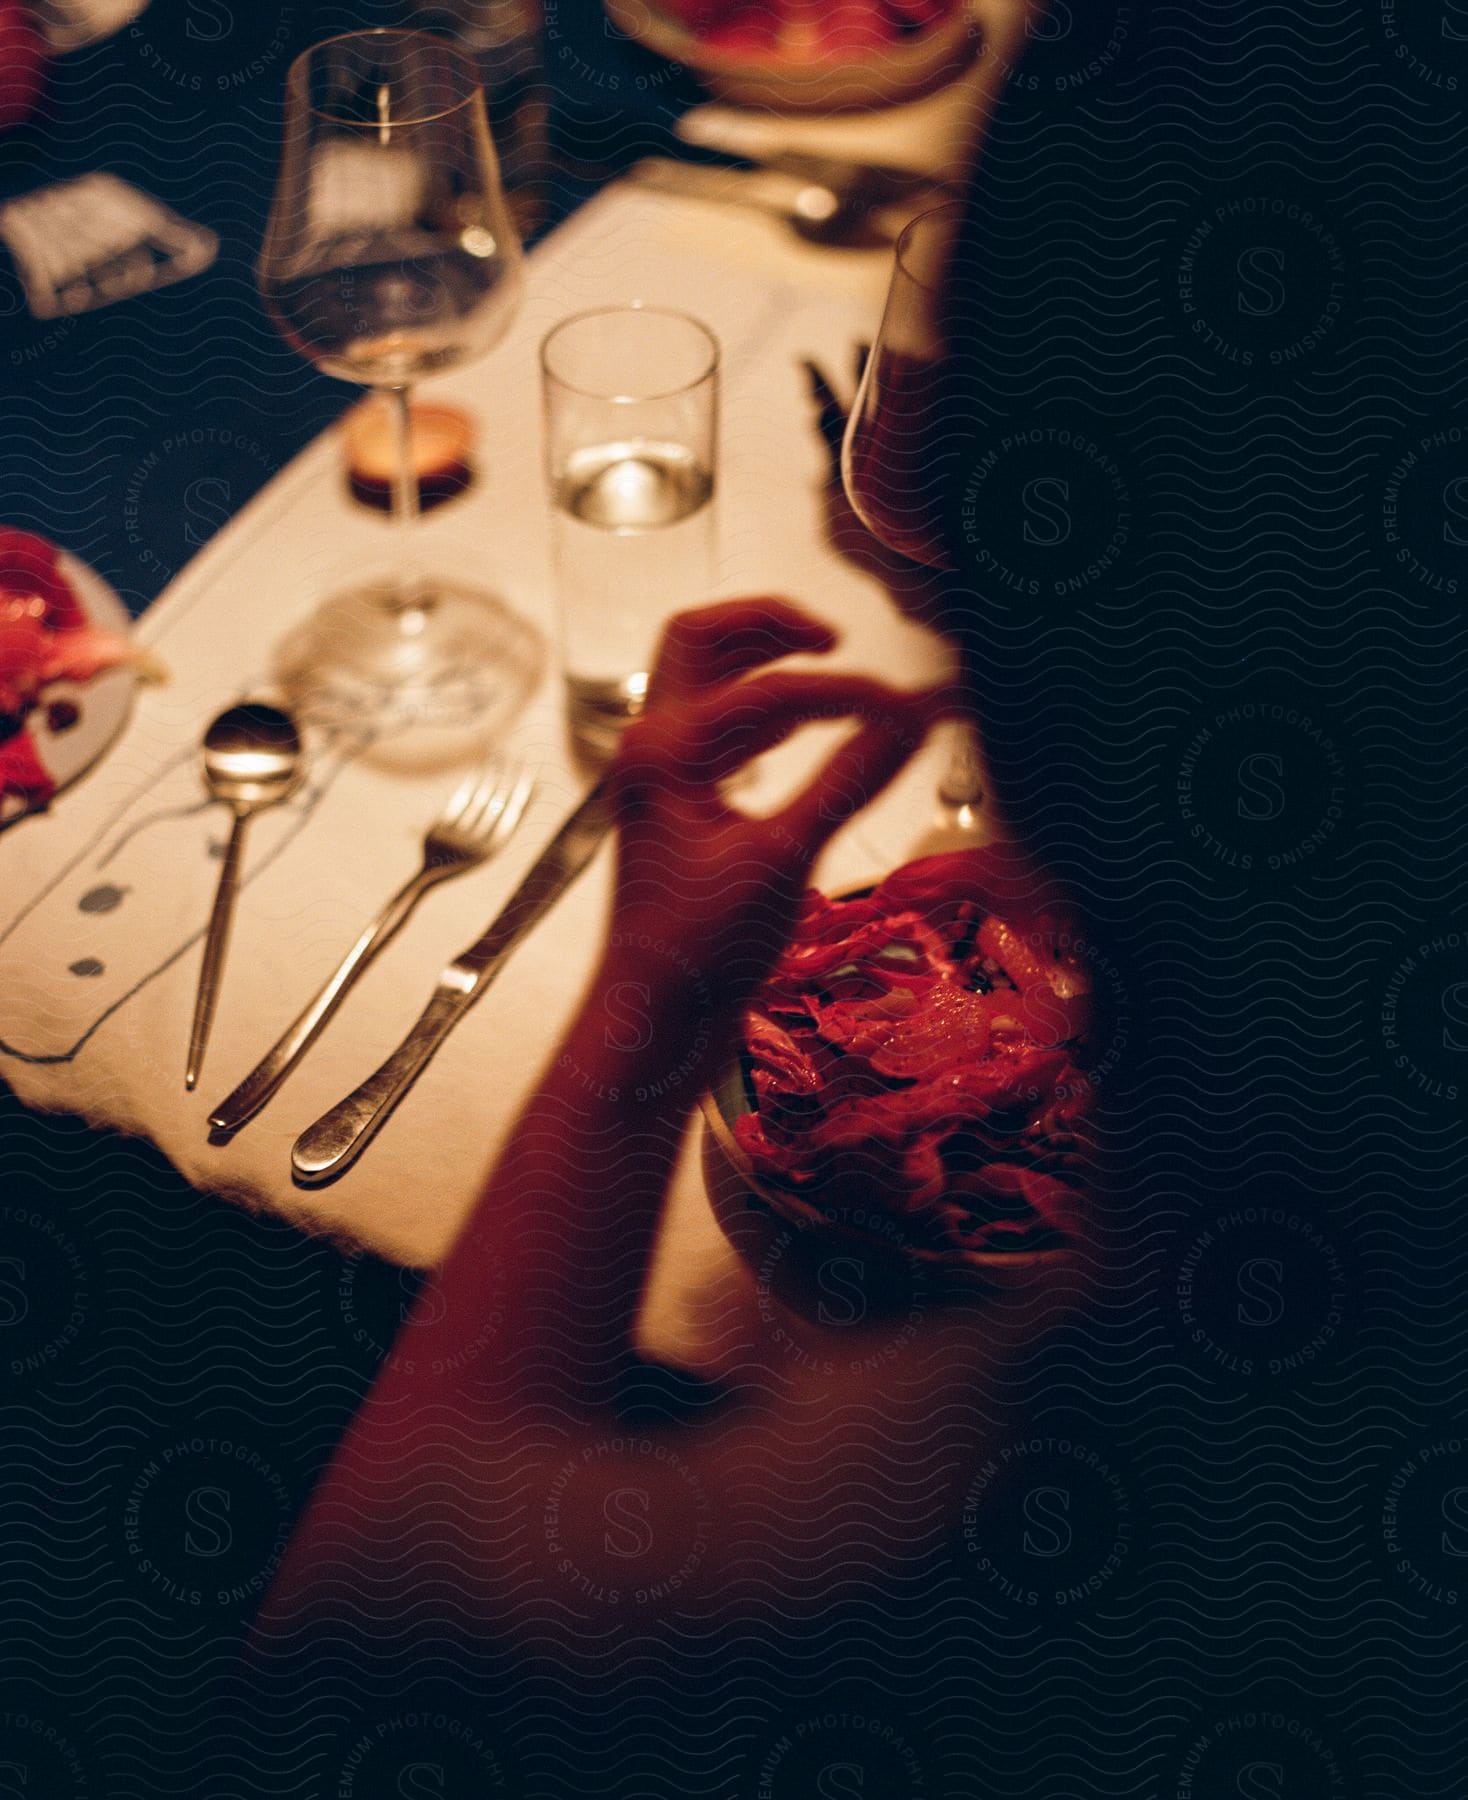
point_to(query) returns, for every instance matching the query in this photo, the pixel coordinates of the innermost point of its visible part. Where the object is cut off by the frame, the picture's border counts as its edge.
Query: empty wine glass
(892, 458)
(390, 254)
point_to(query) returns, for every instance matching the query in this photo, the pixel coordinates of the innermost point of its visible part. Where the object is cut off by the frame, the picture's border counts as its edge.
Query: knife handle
(339, 1137)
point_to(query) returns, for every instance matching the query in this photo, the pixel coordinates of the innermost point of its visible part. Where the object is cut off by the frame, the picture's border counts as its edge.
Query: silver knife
(338, 1137)
(826, 199)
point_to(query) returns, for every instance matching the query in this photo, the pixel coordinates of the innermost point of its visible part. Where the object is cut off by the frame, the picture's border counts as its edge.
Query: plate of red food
(823, 54)
(912, 1078)
(67, 671)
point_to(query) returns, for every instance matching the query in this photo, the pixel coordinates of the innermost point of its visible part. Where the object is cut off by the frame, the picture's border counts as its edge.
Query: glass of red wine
(892, 462)
(390, 254)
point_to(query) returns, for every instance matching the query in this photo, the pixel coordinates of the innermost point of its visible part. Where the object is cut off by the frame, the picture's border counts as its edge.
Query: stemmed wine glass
(390, 254)
(892, 464)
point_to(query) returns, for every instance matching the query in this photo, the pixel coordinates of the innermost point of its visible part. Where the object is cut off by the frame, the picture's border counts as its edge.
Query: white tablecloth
(105, 900)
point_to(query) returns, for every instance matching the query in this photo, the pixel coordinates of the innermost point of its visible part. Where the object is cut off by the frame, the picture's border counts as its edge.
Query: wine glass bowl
(897, 454)
(390, 251)
(892, 461)
(391, 254)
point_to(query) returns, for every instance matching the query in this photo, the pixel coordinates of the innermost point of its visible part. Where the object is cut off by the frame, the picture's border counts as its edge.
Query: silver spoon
(252, 759)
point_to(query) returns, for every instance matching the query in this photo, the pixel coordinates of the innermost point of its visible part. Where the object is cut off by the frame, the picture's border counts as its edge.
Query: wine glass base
(422, 684)
(961, 788)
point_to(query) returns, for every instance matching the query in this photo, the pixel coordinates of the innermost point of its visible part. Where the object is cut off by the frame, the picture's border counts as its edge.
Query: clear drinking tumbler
(631, 423)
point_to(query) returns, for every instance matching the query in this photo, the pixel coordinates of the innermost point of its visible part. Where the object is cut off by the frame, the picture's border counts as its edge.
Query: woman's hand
(706, 895)
(504, 1390)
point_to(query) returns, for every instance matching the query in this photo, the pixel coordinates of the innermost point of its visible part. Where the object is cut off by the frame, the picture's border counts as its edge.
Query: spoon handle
(214, 947)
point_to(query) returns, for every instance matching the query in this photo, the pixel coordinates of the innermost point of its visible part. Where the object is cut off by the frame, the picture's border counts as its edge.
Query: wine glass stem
(962, 786)
(405, 499)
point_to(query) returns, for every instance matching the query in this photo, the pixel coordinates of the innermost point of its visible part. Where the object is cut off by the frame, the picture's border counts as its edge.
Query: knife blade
(335, 1141)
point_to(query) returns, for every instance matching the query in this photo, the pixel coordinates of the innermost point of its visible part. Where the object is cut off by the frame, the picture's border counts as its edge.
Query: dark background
(1215, 264)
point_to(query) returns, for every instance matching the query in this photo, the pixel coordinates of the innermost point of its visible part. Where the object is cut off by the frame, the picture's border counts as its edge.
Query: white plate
(103, 703)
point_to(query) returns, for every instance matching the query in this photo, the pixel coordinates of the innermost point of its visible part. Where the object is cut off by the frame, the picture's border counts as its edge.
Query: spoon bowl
(252, 755)
(252, 759)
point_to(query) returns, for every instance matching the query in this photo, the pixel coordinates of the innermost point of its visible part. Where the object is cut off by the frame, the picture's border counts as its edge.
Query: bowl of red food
(826, 55)
(912, 1084)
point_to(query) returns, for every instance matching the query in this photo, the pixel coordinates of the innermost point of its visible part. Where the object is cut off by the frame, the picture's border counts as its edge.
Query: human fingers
(752, 716)
(650, 761)
(859, 770)
(709, 645)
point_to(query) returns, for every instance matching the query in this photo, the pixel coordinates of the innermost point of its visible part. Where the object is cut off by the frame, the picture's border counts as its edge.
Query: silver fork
(479, 820)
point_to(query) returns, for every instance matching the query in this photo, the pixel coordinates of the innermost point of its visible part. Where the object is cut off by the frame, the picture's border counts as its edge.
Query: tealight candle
(443, 449)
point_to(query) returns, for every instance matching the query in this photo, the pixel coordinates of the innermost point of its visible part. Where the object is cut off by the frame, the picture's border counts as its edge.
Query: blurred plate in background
(883, 75)
(91, 714)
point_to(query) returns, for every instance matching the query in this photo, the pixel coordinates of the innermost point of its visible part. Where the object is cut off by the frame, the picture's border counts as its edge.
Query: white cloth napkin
(105, 900)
